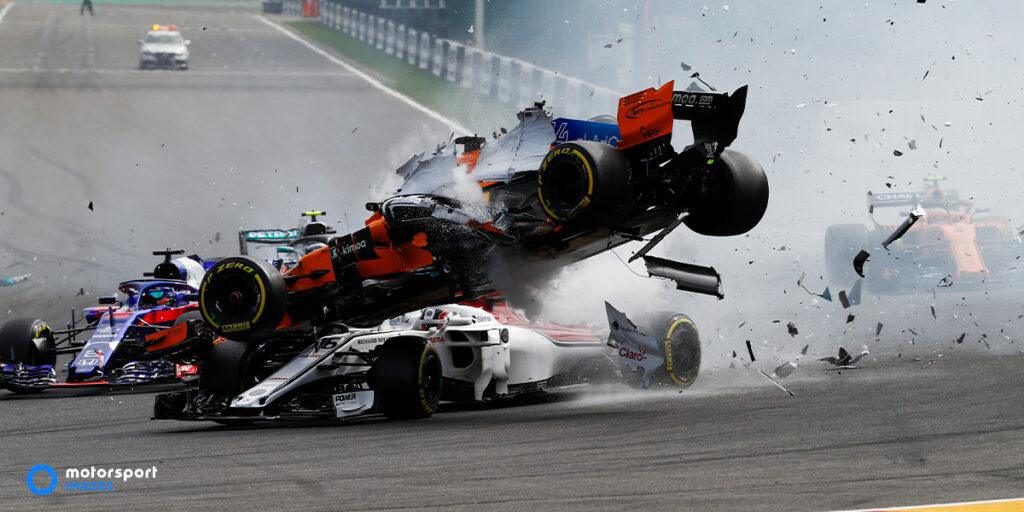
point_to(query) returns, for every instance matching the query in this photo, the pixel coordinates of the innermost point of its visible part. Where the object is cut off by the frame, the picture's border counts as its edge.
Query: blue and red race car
(117, 352)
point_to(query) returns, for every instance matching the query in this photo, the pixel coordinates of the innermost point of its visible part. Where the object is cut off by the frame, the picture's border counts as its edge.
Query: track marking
(1010, 505)
(3, 12)
(369, 79)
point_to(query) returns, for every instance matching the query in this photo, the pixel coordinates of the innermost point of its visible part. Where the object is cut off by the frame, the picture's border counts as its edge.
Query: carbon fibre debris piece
(859, 260)
(855, 293)
(773, 381)
(751, 352)
(792, 329)
(916, 214)
(690, 278)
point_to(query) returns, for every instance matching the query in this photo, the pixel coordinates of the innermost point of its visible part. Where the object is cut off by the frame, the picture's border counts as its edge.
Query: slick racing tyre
(584, 183)
(681, 343)
(243, 298)
(28, 341)
(228, 369)
(406, 378)
(737, 200)
(842, 243)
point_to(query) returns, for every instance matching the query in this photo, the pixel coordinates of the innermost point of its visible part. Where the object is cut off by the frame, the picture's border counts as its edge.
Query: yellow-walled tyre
(682, 353)
(406, 379)
(584, 183)
(243, 298)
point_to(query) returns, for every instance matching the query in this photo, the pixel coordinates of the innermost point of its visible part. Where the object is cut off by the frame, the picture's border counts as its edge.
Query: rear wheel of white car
(406, 379)
(681, 343)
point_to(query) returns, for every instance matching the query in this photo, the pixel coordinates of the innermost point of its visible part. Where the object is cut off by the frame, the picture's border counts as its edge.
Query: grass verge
(469, 107)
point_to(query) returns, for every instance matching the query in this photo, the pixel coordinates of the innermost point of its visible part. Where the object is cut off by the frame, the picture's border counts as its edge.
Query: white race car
(163, 47)
(407, 366)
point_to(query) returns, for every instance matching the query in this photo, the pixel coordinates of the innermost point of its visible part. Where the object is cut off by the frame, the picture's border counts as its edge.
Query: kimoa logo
(350, 248)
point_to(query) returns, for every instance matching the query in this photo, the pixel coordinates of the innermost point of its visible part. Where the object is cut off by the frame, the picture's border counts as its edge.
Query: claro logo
(631, 355)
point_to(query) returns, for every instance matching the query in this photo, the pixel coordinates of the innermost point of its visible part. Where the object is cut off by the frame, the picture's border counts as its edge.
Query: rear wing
(265, 237)
(646, 116)
(892, 199)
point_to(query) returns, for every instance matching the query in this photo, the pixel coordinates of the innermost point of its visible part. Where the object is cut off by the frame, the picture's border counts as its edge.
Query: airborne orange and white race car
(546, 198)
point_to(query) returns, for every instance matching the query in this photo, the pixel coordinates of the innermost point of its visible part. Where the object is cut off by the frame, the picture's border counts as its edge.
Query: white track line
(967, 504)
(3, 12)
(454, 125)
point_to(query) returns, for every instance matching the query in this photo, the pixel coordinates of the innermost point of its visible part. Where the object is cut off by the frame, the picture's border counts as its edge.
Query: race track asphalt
(169, 159)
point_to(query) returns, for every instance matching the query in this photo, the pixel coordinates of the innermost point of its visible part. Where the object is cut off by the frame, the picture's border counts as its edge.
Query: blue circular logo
(32, 486)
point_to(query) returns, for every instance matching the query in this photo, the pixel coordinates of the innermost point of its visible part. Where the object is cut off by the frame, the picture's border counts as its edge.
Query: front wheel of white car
(406, 378)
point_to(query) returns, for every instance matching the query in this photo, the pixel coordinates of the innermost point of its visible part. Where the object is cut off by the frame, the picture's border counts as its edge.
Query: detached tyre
(243, 298)
(681, 342)
(737, 201)
(406, 379)
(28, 341)
(584, 183)
(842, 243)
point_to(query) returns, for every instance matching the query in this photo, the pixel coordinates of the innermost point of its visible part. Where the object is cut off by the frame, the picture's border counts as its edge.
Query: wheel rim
(567, 184)
(235, 298)
(430, 383)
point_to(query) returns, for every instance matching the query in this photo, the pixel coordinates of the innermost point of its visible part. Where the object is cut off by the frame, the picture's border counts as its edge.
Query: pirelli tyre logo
(240, 326)
(241, 266)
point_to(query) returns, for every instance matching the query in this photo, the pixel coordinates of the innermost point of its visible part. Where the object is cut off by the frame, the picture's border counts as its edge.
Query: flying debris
(773, 381)
(960, 340)
(858, 262)
(845, 359)
(688, 278)
(897, 152)
(933, 312)
(751, 352)
(850, 317)
(854, 295)
(90, 206)
(945, 282)
(827, 295)
(785, 369)
(685, 66)
(916, 214)
(15, 280)
(792, 329)
(878, 329)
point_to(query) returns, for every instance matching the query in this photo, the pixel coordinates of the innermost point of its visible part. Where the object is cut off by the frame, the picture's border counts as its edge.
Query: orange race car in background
(548, 193)
(952, 243)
